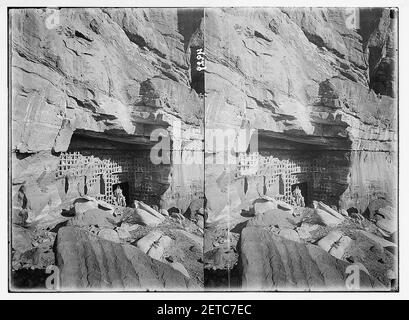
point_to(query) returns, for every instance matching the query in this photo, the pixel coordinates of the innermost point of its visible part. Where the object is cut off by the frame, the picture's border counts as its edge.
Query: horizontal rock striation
(111, 74)
(306, 81)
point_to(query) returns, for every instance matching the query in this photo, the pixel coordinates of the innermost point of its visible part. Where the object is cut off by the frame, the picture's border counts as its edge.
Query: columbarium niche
(96, 167)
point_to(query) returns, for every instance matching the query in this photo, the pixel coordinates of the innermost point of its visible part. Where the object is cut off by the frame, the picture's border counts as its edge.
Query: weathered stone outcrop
(301, 77)
(311, 87)
(90, 262)
(111, 74)
(93, 89)
(270, 262)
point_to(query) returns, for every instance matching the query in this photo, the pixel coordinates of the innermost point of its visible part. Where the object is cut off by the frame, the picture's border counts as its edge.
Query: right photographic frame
(301, 143)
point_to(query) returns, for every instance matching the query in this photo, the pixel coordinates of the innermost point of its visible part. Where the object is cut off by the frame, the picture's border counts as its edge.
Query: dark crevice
(141, 42)
(261, 36)
(82, 36)
(189, 21)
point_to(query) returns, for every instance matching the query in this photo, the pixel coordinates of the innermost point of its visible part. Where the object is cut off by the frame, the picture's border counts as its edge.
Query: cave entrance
(304, 191)
(97, 166)
(125, 191)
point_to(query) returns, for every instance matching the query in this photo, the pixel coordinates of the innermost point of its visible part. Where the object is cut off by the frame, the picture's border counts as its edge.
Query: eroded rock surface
(271, 262)
(89, 90)
(304, 80)
(89, 262)
(94, 78)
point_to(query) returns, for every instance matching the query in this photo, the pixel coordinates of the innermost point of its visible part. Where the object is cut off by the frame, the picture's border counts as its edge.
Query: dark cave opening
(189, 26)
(303, 186)
(189, 20)
(124, 186)
(96, 165)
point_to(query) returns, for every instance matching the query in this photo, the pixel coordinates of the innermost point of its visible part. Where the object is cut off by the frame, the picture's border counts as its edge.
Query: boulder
(130, 227)
(270, 262)
(158, 248)
(387, 212)
(387, 225)
(38, 257)
(196, 207)
(327, 218)
(378, 240)
(106, 206)
(109, 234)
(177, 215)
(20, 216)
(328, 241)
(143, 206)
(154, 244)
(391, 274)
(375, 205)
(82, 205)
(289, 234)
(323, 206)
(276, 217)
(340, 247)
(196, 239)
(123, 233)
(147, 241)
(42, 200)
(223, 257)
(88, 262)
(284, 206)
(146, 218)
(262, 205)
(21, 239)
(305, 230)
(344, 212)
(180, 267)
(133, 227)
(92, 217)
(335, 243)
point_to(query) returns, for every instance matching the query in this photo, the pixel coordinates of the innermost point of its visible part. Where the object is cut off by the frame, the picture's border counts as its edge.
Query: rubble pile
(300, 248)
(102, 246)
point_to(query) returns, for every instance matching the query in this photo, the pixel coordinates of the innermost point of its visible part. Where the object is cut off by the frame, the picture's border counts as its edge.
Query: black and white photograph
(203, 149)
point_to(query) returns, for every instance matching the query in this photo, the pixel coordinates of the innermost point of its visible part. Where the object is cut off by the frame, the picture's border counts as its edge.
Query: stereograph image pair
(205, 149)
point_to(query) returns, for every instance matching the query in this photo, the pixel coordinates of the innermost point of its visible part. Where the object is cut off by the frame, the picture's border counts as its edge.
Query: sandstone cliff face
(91, 88)
(303, 80)
(113, 74)
(299, 76)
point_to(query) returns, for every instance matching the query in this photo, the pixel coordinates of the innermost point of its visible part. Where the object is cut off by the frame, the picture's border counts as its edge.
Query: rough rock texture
(304, 81)
(271, 262)
(296, 75)
(321, 96)
(274, 217)
(88, 262)
(92, 217)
